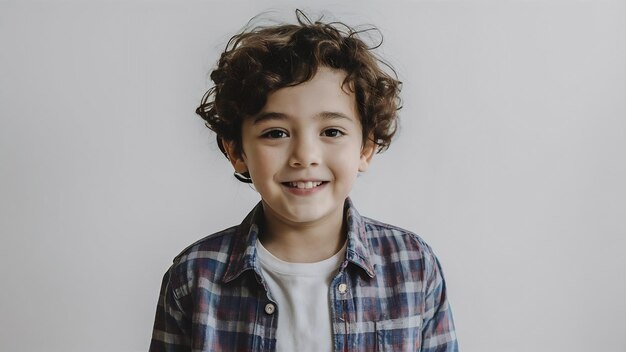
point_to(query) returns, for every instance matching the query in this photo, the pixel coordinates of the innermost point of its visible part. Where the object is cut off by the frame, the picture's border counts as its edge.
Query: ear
(367, 152)
(236, 159)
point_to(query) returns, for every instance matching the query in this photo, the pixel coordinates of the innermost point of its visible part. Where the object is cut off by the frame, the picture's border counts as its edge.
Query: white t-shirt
(301, 292)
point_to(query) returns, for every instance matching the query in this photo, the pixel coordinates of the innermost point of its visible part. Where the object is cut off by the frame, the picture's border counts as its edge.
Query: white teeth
(305, 185)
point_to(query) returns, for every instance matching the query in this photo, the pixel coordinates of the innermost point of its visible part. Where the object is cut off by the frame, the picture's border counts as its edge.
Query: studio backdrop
(509, 162)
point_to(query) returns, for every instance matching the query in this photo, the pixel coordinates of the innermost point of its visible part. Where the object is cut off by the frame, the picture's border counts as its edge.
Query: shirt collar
(359, 251)
(244, 253)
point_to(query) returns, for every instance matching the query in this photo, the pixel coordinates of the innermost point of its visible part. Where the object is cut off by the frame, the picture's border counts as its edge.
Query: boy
(299, 110)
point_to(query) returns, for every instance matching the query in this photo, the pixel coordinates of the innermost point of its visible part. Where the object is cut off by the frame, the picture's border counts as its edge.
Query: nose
(305, 152)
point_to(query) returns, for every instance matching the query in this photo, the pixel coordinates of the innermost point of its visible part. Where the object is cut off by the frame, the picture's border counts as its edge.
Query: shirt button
(269, 308)
(342, 288)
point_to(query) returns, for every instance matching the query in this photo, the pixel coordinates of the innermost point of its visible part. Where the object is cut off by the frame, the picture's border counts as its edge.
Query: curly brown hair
(261, 60)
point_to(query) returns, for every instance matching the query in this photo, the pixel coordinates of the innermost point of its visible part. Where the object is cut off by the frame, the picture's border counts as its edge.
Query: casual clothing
(388, 294)
(301, 292)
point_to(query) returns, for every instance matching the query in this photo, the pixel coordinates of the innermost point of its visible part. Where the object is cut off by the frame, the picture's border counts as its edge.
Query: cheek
(263, 162)
(346, 161)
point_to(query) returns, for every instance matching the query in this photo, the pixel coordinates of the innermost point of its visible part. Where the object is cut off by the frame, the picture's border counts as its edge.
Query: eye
(274, 134)
(332, 132)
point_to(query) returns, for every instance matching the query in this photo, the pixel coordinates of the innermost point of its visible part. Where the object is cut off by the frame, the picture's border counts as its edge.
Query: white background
(510, 162)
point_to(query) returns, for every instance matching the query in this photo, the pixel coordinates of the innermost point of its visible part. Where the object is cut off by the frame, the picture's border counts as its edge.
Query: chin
(305, 216)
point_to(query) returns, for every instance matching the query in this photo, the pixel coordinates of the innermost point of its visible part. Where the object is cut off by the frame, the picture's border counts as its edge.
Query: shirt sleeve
(171, 331)
(438, 334)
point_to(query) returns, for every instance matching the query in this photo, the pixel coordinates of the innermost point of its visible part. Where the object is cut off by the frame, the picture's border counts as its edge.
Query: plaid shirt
(389, 294)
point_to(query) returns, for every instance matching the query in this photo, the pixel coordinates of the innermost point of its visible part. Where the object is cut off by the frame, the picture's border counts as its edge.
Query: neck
(303, 242)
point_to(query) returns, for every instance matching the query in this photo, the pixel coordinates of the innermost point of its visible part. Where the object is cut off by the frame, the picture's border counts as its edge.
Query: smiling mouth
(304, 185)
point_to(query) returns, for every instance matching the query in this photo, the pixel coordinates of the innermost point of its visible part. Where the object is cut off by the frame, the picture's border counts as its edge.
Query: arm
(438, 333)
(171, 325)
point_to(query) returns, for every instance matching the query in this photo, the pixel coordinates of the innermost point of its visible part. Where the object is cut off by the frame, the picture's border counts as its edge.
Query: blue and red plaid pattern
(389, 294)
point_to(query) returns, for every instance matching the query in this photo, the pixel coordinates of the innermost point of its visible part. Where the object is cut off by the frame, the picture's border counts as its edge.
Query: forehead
(323, 95)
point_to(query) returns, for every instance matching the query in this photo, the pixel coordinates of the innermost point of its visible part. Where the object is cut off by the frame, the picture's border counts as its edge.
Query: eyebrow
(324, 115)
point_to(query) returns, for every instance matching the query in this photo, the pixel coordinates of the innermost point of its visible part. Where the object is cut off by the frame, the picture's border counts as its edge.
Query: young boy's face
(304, 149)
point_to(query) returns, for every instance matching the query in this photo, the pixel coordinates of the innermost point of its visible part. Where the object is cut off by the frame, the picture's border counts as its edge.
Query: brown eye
(332, 132)
(274, 134)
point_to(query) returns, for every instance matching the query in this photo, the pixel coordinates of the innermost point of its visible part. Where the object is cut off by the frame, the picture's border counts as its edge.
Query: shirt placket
(267, 318)
(340, 314)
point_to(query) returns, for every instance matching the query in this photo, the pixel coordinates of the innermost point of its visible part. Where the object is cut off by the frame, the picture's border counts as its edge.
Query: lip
(304, 191)
(305, 180)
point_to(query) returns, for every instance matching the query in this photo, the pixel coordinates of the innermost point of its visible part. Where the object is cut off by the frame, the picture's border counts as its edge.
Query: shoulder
(395, 246)
(206, 262)
(378, 231)
(211, 246)
(207, 257)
